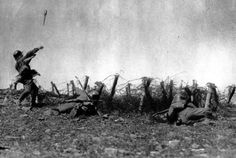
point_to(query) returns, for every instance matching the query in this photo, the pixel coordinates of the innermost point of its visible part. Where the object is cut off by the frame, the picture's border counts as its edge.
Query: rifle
(80, 101)
(160, 112)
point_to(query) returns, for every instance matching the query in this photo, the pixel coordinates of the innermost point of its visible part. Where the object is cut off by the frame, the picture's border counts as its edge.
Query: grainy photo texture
(117, 78)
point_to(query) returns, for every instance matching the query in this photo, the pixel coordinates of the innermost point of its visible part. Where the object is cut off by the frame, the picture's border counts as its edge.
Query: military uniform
(84, 104)
(183, 111)
(26, 75)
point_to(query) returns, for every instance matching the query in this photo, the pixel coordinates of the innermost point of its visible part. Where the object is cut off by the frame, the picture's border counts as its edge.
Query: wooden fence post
(164, 93)
(73, 87)
(100, 88)
(58, 93)
(52, 86)
(86, 82)
(170, 96)
(68, 89)
(146, 88)
(209, 95)
(146, 83)
(109, 105)
(231, 93)
(212, 97)
(128, 89)
(195, 84)
(208, 98)
(141, 103)
(55, 87)
(181, 84)
(113, 90)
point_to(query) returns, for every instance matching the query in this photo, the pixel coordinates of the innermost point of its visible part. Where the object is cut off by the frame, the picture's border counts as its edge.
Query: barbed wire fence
(135, 85)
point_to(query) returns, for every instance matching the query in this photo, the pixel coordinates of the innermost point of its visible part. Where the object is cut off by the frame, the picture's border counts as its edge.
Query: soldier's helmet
(184, 95)
(181, 96)
(94, 94)
(17, 54)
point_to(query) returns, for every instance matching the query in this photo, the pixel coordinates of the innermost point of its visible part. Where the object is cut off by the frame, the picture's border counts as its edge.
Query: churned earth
(36, 133)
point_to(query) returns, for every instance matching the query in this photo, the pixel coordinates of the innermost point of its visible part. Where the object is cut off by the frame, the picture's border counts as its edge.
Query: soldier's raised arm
(27, 60)
(33, 52)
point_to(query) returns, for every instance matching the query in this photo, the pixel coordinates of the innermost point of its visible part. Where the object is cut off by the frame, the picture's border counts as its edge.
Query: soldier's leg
(34, 94)
(191, 115)
(26, 92)
(171, 115)
(141, 104)
(198, 113)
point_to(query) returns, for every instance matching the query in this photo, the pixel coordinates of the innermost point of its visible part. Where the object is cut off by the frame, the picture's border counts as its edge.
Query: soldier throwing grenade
(26, 75)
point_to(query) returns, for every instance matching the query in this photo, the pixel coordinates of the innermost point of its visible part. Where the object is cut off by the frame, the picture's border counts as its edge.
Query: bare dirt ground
(26, 133)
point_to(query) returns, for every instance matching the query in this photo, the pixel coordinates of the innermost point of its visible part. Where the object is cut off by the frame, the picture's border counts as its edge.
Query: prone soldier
(85, 104)
(183, 111)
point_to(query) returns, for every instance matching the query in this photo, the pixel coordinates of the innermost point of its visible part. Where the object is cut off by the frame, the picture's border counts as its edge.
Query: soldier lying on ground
(84, 104)
(26, 75)
(183, 111)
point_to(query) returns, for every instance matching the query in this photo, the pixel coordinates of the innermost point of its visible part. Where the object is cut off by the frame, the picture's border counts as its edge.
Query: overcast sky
(135, 38)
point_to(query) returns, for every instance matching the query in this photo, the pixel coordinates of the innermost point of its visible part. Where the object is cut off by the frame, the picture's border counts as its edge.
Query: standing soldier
(26, 75)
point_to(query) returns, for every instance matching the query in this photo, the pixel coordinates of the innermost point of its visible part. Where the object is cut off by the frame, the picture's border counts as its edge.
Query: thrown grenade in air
(44, 17)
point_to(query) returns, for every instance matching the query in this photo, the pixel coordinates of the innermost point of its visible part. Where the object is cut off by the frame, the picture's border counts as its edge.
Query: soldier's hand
(38, 74)
(15, 85)
(66, 101)
(41, 47)
(84, 108)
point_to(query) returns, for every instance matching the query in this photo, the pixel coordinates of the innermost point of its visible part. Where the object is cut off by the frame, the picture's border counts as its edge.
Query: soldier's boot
(18, 104)
(5, 101)
(178, 122)
(73, 113)
(231, 93)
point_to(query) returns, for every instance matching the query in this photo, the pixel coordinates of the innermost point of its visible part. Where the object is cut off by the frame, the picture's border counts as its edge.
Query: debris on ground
(45, 132)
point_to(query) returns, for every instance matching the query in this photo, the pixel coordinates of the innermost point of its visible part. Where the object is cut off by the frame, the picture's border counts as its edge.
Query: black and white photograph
(117, 78)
